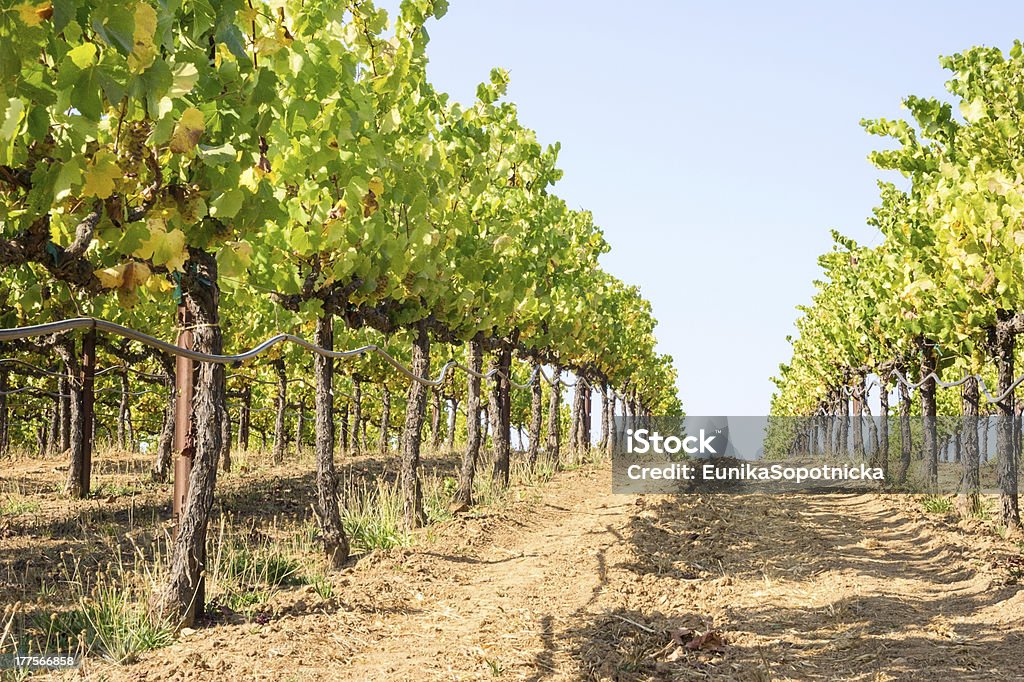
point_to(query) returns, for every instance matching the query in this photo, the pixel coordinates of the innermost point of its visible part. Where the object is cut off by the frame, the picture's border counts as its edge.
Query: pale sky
(716, 143)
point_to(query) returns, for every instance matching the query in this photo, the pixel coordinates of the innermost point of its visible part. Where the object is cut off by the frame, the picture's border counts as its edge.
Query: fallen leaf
(682, 636)
(711, 640)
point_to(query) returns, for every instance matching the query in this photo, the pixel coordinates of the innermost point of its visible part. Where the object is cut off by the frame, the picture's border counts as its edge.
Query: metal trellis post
(87, 374)
(184, 448)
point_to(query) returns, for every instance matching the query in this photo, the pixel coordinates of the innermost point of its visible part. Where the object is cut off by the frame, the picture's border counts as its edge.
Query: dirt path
(575, 583)
(506, 606)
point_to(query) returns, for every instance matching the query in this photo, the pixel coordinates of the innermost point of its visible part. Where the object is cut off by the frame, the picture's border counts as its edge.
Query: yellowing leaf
(244, 251)
(376, 186)
(135, 274)
(158, 285)
(100, 175)
(110, 278)
(32, 14)
(339, 210)
(125, 276)
(163, 247)
(188, 131)
(83, 56)
(268, 45)
(143, 52)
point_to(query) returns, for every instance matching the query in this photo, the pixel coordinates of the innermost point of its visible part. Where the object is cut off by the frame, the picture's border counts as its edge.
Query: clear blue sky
(716, 143)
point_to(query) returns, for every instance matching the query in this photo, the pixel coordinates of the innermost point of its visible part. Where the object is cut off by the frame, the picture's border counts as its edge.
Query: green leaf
(63, 13)
(69, 176)
(216, 156)
(299, 239)
(233, 260)
(391, 121)
(973, 111)
(115, 24)
(184, 79)
(85, 94)
(227, 204)
(12, 117)
(164, 248)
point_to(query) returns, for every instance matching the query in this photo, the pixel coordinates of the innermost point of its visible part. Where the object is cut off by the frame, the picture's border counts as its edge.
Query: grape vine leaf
(188, 131)
(100, 175)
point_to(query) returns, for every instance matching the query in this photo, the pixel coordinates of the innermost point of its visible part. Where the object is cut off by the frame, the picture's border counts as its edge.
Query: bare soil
(573, 583)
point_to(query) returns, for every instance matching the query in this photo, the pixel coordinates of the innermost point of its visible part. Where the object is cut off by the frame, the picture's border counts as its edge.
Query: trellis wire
(254, 352)
(992, 399)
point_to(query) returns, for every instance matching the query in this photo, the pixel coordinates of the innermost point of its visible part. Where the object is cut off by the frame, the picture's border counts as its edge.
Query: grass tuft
(112, 617)
(937, 504)
(372, 515)
(13, 505)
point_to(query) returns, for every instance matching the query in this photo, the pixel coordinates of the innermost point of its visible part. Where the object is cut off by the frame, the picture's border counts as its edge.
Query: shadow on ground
(802, 587)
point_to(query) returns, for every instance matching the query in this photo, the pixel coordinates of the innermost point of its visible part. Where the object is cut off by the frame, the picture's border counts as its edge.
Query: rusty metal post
(87, 374)
(183, 446)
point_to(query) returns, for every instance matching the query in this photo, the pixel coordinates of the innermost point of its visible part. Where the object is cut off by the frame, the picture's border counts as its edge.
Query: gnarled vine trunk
(225, 436)
(357, 412)
(280, 405)
(969, 500)
(906, 443)
(609, 424)
(245, 418)
(332, 531)
(183, 596)
(1003, 345)
(881, 454)
(435, 418)
(412, 493)
(162, 461)
(502, 420)
(579, 408)
(122, 411)
(65, 409)
(554, 436)
(587, 427)
(536, 414)
(300, 426)
(76, 484)
(929, 435)
(856, 420)
(343, 432)
(385, 416)
(5, 414)
(474, 358)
